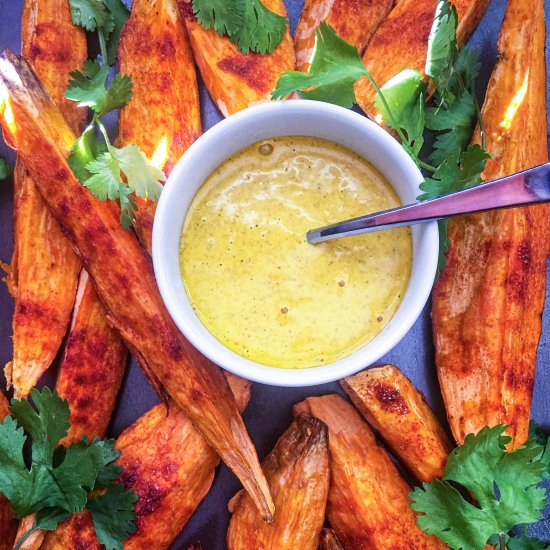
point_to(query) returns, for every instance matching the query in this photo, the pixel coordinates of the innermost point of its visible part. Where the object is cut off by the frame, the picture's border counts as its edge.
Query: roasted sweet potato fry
(154, 50)
(44, 269)
(298, 475)
(92, 366)
(368, 503)
(8, 525)
(123, 276)
(400, 415)
(169, 465)
(329, 541)
(354, 21)
(401, 41)
(488, 302)
(235, 80)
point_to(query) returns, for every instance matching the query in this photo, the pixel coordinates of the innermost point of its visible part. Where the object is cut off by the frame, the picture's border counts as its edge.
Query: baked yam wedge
(328, 541)
(368, 503)
(236, 80)
(298, 474)
(92, 366)
(44, 268)
(123, 276)
(397, 411)
(354, 21)
(169, 465)
(154, 51)
(8, 524)
(401, 42)
(488, 301)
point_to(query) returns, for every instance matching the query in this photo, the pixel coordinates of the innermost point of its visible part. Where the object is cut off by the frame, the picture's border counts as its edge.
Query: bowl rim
(172, 290)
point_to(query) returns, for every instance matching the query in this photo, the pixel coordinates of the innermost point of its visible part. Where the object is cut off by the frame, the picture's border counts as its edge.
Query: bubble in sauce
(265, 149)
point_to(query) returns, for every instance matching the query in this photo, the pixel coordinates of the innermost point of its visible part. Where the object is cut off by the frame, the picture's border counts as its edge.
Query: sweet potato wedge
(154, 50)
(399, 414)
(298, 474)
(368, 503)
(44, 269)
(401, 42)
(235, 80)
(8, 525)
(123, 276)
(488, 301)
(328, 541)
(171, 468)
(354, 21)
(92, 367)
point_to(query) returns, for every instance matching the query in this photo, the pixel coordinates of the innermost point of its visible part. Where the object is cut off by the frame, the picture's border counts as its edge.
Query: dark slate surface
(269, 412)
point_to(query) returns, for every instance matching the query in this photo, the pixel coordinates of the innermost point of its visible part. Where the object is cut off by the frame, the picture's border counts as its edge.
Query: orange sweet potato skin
(401, 41)
(329, 541)
(154, 51)
(235, 80)
(170, 467)
(44, 268)
(368, 503)
(298, 474)
(124, 279)
(354, 20)
(398, 412)
(8, 525)
(488, 302)
(92, 367)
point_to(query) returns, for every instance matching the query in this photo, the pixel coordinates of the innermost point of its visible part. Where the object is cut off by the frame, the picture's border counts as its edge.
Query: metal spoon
(528, 187)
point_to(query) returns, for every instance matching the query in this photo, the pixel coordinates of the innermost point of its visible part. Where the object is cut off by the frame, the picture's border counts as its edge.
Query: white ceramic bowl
(287, 118)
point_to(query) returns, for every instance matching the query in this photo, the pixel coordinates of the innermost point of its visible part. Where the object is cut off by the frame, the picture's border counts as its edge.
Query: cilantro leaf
(88, 87)
(504, 484)
(86, 148)
(46, 425)
(90, 14)
(119, 13)
(335, 67)
(49, 518)
(224, 16)
(15, 479)
(442, 48)
(5, 170)
(404, 96)
(105, 180)
(77, 473)
(142, 177)
(543, 440)
(109, 471)
(261, 31)
(526, 543)
(113, 516)
(128, 207)
(467, 65)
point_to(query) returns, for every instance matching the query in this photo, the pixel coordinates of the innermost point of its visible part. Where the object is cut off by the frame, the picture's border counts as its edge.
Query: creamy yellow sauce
(256, 283)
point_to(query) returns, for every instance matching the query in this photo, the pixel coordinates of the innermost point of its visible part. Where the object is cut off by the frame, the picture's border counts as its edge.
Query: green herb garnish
(503, 483)
(400, 102)
(248, 23)
(59, 480)
(5, 169)
(107, 171)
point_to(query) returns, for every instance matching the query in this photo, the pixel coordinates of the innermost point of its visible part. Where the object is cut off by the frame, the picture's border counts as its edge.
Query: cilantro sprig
(5, 169)
(503, 484)
(58, 480)
(451, 115)
(248, 23)
(109, 172)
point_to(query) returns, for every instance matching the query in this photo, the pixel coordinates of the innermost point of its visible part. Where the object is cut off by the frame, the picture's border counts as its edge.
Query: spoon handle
(529, 187)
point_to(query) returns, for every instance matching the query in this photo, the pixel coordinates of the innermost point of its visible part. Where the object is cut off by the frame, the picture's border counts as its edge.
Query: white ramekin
(287, 118)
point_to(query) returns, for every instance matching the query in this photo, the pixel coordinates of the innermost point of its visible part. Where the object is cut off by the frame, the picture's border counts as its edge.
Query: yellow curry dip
(256, 283)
